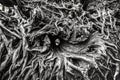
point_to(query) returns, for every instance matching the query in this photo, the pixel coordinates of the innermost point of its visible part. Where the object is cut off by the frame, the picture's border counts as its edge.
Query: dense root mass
(60, 40)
